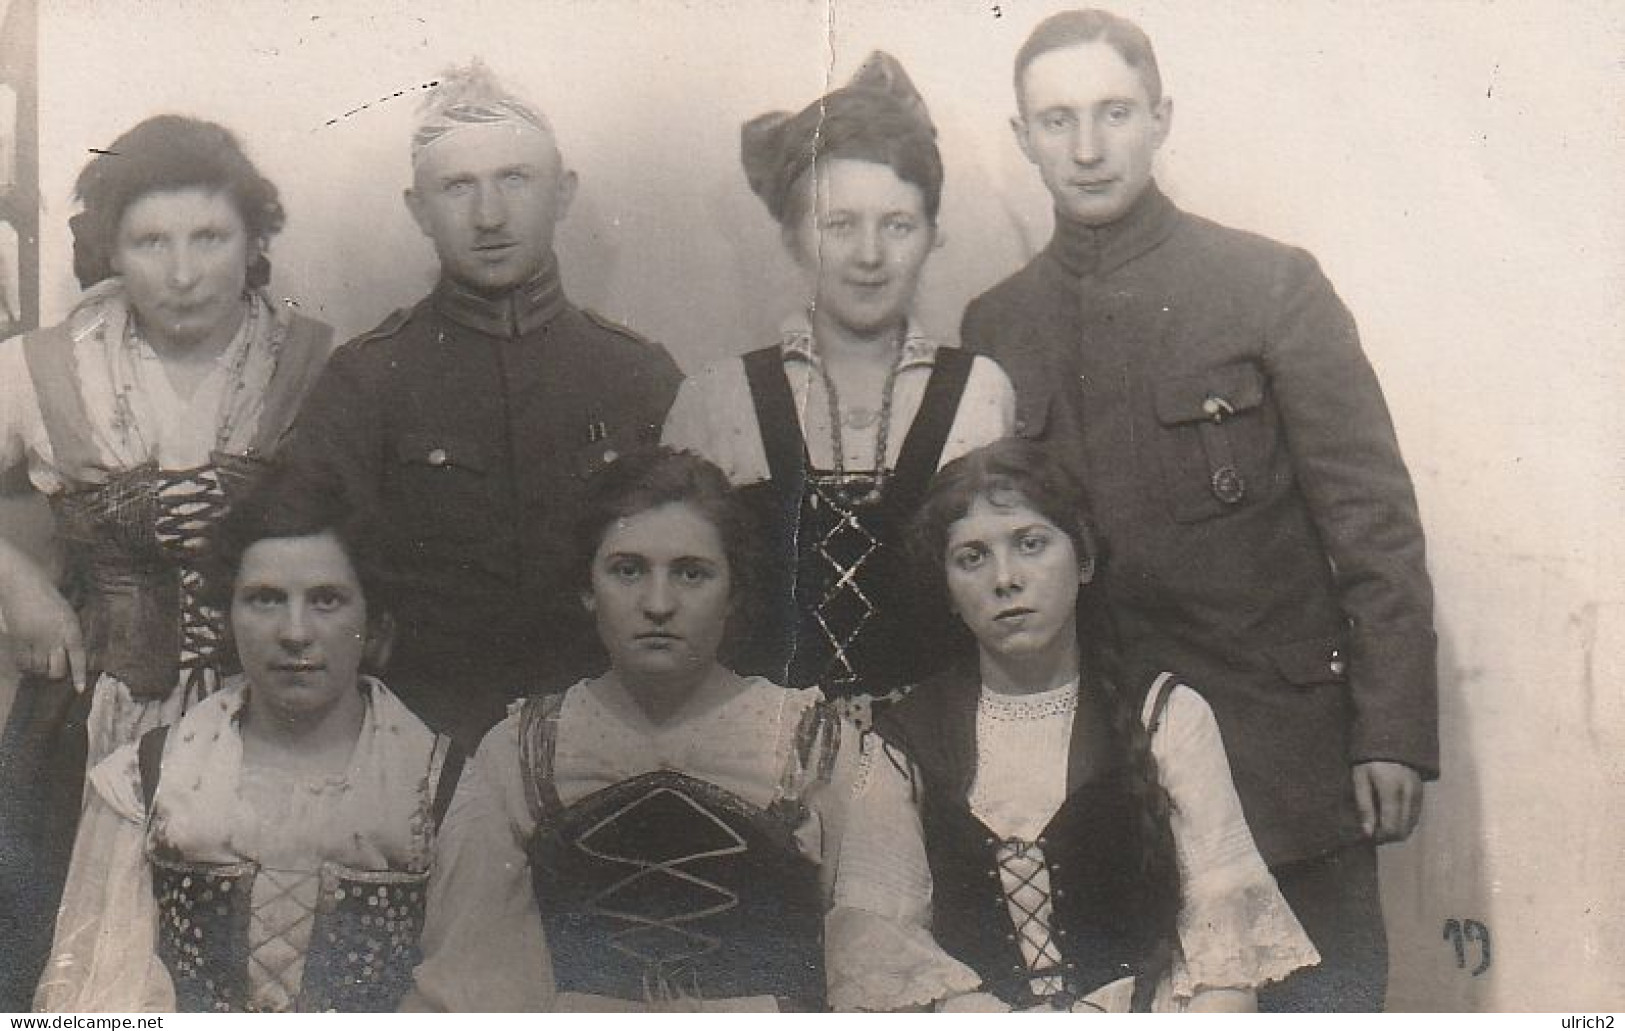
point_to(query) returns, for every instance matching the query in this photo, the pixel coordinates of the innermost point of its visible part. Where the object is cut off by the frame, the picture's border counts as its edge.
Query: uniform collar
(528, 306)
(796, 344)
(1097, 250)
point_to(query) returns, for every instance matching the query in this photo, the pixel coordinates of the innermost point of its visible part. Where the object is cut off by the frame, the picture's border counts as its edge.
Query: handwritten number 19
(1459, 933)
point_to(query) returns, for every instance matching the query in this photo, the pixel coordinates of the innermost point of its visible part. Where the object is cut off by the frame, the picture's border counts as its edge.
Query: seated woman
(271, 850)
(659, 829)
(1077, 841)
(834, 431)
(135, 417)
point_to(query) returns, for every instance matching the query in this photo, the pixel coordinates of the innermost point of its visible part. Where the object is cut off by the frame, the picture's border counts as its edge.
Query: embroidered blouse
(714, 414)
(215, 809)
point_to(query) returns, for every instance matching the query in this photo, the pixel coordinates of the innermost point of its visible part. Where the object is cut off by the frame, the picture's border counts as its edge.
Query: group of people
(484, 662)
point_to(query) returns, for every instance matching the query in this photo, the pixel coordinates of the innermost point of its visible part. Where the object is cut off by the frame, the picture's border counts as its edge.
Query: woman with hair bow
(834, 431)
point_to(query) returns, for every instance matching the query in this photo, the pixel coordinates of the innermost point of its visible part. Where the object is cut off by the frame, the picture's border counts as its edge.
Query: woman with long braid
(1071, 838)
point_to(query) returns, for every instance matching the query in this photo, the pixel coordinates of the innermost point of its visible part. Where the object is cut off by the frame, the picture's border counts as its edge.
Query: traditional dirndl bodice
(362, 949)
(134, 532)
(133, 545)
(223, 926)
(1092, 899)
(667, 887)
(840, 610)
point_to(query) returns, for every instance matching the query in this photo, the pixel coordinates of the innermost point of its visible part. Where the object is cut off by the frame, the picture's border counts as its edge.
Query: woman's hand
(44, 630)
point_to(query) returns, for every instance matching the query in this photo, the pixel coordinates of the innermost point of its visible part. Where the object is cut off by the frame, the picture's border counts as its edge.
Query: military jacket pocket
(1216, 440)
(443, 486)
(606, 443)
(1310, 662)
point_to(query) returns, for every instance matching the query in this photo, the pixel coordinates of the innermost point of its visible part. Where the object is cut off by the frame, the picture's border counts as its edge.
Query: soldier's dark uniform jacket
(471, 424)
(1209, 388)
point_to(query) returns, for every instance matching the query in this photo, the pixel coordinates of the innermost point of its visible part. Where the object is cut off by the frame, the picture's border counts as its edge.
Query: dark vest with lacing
(363, 940)
(133, 536)
(1113, 911)
(666, 886)
(838, 610)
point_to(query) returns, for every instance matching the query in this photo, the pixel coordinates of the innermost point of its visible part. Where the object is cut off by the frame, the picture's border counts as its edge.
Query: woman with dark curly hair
(661, 835)
(134, 417)
(1072, 839)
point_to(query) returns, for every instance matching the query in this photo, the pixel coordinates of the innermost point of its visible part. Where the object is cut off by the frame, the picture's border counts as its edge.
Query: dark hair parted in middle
(652, 477)
(1017, 473)
(164, 154)
(282, 500)
(1007, 473)
(876, 117)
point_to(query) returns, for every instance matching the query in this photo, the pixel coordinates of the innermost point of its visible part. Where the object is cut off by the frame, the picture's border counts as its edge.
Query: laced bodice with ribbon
(134, 531)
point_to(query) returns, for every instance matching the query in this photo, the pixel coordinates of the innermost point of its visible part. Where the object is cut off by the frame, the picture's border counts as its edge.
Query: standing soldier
(472, 420)
(1210, 387)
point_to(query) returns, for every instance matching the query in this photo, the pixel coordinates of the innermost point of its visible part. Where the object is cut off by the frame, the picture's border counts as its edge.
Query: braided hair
(1016, 473)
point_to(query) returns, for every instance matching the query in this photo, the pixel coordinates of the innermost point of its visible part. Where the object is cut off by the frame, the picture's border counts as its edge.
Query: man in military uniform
(471, 420)
(1209, 388)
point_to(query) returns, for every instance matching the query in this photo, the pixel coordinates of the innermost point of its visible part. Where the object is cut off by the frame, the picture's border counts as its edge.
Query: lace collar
(1041, 705)
(796, 344)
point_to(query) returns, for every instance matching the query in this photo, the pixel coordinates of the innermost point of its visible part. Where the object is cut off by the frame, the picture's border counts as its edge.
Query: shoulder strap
(149, 758)
(304, 353)
(776, 417)
(49, 356)
(935, 726)
(451, 756)
(538, 741)
(922, 447)
(1156, 701)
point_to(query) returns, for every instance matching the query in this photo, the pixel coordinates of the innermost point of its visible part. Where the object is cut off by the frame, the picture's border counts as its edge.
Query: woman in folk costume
(1072, 841)
(834, 431)
(270, 851)
(135, 417)
(656, 836)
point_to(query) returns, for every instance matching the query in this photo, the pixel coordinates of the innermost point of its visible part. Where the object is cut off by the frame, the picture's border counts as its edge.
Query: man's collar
(796, 343)
(1097, 250)
(512, 313)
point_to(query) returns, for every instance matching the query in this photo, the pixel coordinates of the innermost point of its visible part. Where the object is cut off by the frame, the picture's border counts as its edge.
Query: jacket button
(1337, 665)
(1217, 408)
(438, 457)
(1058, 893)
(610, 455)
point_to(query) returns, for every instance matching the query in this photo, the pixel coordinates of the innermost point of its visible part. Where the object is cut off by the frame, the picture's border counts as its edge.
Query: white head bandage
(468, 97)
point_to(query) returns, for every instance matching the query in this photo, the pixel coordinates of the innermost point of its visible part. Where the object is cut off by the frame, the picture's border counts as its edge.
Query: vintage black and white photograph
(812, 505)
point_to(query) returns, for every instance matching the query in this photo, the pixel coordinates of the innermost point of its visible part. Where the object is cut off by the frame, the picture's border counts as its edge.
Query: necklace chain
(234, 358)
(882, 433)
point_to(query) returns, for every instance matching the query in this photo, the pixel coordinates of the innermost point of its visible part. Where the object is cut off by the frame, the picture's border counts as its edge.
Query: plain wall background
(1453, 165)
